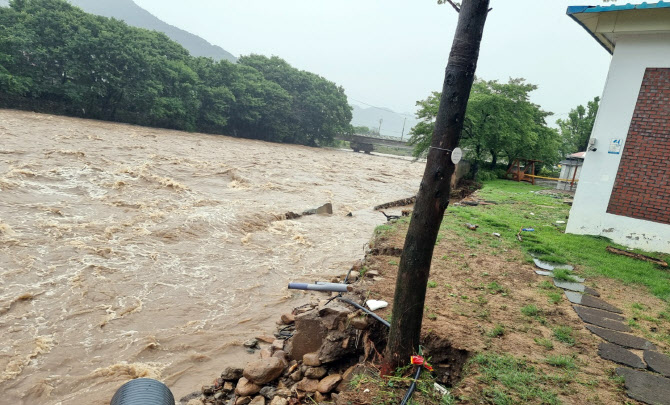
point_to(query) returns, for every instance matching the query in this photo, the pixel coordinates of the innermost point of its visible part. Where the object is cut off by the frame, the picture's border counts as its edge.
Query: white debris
(375, 305)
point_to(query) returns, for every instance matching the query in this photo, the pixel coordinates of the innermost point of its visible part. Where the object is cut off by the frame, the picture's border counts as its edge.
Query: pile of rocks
(313, 365)
(275, 381)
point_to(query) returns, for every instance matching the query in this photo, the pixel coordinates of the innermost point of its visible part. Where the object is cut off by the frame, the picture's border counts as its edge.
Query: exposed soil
(474, 289)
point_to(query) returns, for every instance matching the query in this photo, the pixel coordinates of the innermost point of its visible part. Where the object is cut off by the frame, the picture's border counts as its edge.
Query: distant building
(571, 167)
(624, 186)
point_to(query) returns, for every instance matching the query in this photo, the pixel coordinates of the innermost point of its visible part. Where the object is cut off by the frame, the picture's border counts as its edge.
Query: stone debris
(622, 339)
(657, 362)
(577, 287)
(397, 203)
(259, 400)
(251, 344)
(325, 209)
(288, 319)
(307, 385)
(589, 301)
(329, 383)
(245, 388)
(618, 354)
(305, 366)
(232, 373)
(316, 373)
(266, 338)
(386, 251)
(646, 387)
(264, 370)
(311, 359)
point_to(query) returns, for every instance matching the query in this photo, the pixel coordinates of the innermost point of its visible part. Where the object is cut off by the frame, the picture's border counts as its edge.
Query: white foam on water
(143, 252)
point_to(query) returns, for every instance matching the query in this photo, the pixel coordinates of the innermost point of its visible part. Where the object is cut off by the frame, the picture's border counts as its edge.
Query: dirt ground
(474, 289)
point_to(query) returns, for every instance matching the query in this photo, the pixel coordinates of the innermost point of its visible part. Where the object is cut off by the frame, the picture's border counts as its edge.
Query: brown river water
(136, 252)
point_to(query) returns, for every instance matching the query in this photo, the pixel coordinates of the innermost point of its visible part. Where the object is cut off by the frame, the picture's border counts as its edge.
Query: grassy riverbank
(523, 340)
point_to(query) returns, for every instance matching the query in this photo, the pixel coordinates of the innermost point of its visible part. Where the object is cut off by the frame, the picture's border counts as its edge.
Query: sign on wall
(615, 146)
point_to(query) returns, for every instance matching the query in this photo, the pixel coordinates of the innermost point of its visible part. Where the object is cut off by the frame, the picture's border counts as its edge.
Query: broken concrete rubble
(323, 344)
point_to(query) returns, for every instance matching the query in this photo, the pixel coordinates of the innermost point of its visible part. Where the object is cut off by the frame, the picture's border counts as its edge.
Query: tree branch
(458, 9)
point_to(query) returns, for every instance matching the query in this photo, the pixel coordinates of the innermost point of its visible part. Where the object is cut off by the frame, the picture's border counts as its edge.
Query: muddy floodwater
(128, 251)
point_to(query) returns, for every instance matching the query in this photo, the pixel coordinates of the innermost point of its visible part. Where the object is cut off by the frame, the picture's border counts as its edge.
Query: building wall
(632, 56)
(642, 184)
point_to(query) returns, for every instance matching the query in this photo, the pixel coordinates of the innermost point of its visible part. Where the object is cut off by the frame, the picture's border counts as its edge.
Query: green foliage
(56, 58)
(497, 330)
(560, 361)
(432, 284)
(564, 334)
(544, 342)
(564, 275)
(488, 174)
(382, 230)
(576, 129)
(555, 297)
(530, 310)
(516, 200)
(495, 288)
(363, 130)
(510, 380)
(500, 122)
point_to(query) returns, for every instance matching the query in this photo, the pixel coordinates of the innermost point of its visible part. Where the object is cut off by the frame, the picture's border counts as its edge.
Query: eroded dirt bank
(129, 251)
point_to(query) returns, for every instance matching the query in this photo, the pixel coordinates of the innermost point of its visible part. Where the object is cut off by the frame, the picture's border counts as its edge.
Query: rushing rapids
(128, 251)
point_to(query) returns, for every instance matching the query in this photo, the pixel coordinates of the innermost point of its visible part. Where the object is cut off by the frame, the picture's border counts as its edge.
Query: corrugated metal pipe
(143, 391)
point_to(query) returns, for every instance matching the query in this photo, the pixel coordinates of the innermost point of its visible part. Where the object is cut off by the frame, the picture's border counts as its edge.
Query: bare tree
(433, 196)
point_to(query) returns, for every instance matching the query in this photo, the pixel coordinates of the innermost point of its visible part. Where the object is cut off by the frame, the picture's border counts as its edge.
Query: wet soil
(474, 289)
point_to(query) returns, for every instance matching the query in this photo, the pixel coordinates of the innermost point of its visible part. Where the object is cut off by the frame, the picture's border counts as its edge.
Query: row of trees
(56, 58)
(502, 124)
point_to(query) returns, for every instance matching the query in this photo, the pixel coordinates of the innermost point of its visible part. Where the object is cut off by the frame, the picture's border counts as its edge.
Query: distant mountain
(136, 16)
(392, 122)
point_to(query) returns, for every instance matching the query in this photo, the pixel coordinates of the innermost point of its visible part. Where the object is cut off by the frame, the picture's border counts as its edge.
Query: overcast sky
(392, 53)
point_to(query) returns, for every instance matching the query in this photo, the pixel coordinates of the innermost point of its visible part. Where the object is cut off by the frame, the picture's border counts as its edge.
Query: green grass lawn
(518, 205)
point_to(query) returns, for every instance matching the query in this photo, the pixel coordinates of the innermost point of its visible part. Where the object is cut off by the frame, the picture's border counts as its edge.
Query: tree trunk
(433, 196)
(494, 159)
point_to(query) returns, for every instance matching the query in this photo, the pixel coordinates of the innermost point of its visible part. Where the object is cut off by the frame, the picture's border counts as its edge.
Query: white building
(624, 186)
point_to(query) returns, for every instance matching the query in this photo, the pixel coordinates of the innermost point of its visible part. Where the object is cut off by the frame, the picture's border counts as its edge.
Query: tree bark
(433, 196)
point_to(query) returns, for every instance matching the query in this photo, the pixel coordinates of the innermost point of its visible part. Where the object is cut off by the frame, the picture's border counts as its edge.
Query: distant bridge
(366, 142)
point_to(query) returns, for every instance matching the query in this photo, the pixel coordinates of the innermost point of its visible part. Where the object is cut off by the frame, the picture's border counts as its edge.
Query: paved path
(604, 320)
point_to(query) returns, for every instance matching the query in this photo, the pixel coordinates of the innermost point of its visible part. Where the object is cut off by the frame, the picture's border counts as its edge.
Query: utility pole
(379, 131)
(403, 129)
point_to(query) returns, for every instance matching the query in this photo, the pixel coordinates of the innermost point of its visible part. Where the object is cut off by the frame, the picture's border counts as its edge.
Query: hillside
(392, 122)
(136, 16)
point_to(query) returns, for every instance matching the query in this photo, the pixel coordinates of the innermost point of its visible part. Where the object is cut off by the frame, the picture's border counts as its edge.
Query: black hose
(367, 311)
(412, 387)
(143, 391)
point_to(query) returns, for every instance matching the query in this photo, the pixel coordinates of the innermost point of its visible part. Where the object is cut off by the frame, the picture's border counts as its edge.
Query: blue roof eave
(615, 7)
(574, 10)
